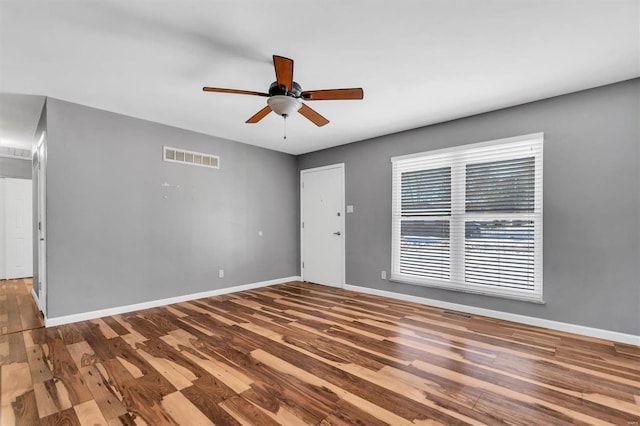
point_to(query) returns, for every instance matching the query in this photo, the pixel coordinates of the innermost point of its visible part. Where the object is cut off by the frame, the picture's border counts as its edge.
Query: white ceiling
(419, 62)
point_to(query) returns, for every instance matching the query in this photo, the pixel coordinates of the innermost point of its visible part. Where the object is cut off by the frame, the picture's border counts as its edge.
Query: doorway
(322, 225)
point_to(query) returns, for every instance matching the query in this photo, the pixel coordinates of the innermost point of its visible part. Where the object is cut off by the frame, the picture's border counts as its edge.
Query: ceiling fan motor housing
(276, 90)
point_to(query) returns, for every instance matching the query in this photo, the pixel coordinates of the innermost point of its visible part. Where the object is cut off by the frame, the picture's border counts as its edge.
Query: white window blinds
(470, 218)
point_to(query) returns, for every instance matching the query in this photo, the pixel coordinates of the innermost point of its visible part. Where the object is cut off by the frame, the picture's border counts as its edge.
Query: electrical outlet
(383, 275)
(220, 273)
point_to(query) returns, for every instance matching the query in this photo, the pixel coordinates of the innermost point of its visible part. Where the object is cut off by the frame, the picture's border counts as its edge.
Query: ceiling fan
(285, 95)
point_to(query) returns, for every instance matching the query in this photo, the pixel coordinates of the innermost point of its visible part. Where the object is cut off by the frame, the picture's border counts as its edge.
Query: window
(470, 218)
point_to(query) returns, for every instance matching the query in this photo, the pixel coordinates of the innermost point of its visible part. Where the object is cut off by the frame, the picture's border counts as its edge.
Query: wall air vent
(176, 155)
(20, 154)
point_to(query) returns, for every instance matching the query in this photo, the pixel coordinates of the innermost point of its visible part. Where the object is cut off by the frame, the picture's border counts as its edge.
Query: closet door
(18, 229)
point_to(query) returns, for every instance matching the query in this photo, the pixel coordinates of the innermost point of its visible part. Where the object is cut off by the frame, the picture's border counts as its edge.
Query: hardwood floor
(301, 353)
(18, 311)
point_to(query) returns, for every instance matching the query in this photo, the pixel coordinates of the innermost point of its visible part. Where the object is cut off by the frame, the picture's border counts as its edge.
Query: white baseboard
(36, 298)
(50, 322)
(523, 319)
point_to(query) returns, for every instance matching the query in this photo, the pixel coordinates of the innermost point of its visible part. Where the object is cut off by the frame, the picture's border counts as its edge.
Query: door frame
(40, 231)
(3, 270)
(343, 236)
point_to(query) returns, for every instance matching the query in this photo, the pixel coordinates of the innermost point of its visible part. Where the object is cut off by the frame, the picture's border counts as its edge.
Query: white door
(322, 232)
(18, 229)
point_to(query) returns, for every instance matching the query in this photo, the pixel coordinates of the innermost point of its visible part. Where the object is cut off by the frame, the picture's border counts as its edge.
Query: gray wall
(591, 203)
(116, 236)
(15, 168)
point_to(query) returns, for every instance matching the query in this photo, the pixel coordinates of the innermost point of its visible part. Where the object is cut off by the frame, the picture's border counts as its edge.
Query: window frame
(457, 158)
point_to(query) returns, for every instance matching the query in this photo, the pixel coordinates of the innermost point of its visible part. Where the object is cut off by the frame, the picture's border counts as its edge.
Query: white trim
(340, 166)
(321, 168)
(41, 219)
(3, 270)
(83, 316)
(35, 298)
(527, 287)
(523, 319)
(477, 145)
(447, 285)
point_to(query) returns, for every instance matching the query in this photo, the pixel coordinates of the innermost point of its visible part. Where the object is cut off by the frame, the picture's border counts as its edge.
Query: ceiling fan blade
(284, 71)
(332, 94)
(259, 115)
(312, 115)
(239, 92)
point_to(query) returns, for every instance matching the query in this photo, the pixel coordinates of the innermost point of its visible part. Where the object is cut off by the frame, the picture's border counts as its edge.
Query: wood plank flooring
(18, 311)
(304, 354)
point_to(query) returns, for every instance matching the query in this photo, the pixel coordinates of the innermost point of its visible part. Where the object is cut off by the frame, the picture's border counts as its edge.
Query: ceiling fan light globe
(284, 105)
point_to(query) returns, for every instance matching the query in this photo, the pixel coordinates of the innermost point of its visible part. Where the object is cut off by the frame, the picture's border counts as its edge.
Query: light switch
(349, 209)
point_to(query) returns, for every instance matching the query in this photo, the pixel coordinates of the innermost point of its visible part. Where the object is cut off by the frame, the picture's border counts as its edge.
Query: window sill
(470, 290)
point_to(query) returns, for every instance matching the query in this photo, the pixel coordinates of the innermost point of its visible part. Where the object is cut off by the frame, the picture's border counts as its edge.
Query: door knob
(337, 233)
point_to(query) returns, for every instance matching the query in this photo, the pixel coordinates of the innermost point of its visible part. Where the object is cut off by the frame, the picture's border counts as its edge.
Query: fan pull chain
(285, 126)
